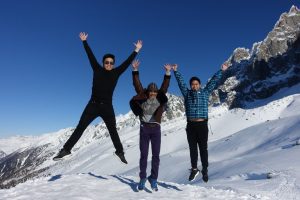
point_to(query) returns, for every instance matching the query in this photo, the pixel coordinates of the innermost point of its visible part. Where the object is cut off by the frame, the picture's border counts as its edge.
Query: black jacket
(104, 81)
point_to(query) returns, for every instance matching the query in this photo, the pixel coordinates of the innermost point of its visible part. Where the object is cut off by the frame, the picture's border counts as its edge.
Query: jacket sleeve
(182, 86)
(135, 107)
(212, 83)
(165, 84)
(93, 61)
(137, 83)
(126, 63)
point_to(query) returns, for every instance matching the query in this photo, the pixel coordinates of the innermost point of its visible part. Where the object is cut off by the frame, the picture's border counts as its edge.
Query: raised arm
(83, 36)
(215, 79)
(166, 82)
(129, 60)
(182, 86)
(135, 77)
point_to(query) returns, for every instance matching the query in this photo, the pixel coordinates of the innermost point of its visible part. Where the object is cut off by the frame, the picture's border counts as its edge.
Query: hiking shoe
(62, 153)
(121, 156)
(141, 185)
(153, 183)
(204, 175)
(194, 174)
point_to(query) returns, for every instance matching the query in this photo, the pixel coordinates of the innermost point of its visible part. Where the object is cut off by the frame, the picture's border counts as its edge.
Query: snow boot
(204, 175)
(194, 174)
(121, 157)
(141, 185)
(153, 183)
(62, 153)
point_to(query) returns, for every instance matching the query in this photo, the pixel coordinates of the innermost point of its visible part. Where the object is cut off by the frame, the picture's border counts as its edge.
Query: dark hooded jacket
(142, 96)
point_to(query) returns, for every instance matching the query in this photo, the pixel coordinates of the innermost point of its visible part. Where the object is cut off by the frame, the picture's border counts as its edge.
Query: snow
(3, 168)
(23, 161)
(87, 186)
(253, 154)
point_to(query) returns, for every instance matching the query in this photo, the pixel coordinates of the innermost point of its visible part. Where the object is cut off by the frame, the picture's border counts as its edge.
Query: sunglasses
(109, 63)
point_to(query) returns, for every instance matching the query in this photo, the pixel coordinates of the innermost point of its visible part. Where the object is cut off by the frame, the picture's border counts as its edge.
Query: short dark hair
(194, 78)
(108, 55)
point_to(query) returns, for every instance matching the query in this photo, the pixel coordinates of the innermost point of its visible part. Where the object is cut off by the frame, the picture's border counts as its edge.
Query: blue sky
(46, 78)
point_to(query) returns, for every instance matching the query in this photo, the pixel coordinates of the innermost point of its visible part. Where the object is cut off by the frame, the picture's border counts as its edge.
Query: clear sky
(45, 76)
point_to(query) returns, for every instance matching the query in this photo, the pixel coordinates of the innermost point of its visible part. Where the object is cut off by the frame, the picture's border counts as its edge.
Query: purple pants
(149, 132)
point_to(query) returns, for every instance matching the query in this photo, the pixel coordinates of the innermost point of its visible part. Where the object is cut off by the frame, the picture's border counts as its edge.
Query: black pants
(197, 135)
(91, 112)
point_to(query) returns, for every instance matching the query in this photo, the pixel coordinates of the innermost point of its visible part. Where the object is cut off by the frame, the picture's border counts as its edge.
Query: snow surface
(253, 154)
(87, 186)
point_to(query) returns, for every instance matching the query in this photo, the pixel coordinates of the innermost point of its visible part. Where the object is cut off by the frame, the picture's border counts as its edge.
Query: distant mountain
(25, 163)
(2, 154)
(270, 65)
(20, 166)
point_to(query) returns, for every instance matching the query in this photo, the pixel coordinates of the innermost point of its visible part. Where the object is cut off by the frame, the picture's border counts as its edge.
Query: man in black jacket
(100, 105)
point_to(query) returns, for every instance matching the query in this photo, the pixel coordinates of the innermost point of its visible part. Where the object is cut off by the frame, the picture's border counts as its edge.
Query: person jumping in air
(149, 104)
(100, 105)
(196, 108)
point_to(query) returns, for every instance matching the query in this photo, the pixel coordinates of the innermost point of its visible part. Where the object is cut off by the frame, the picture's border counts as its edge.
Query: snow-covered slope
(87, 186)
(252, 153)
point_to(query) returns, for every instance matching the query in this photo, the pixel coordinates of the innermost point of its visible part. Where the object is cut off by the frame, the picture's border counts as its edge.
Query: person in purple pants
(149, 104)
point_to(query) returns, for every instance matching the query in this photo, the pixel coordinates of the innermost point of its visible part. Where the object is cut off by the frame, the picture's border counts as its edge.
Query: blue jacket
(196, 102)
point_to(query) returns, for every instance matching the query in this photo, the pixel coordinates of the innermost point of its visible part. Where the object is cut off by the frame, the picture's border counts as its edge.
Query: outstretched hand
(135, 64)
(174, 67)
(83, 36)
(168, 67)
(138, 45)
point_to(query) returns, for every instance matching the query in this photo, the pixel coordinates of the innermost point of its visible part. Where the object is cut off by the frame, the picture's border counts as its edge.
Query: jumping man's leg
(144, 148)
(155, 146)
(88, 115)
(202, 142)
(108, 116)
(192, 140)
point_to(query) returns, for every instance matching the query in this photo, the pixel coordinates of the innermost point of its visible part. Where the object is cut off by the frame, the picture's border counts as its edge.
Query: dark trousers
(197, 135)
(91, 112)
(149, 133)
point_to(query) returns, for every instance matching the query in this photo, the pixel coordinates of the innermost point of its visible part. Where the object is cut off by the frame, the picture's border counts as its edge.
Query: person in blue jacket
(196, 108)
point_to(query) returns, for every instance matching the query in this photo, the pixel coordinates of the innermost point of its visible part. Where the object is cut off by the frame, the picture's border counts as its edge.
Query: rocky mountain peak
(272, 64)
(294, 9)
(284, 33)
(240, 54)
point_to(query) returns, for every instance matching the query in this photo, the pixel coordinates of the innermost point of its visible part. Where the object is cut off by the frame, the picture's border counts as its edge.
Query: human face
(195, 85)
(152, 94)
(108, 64)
